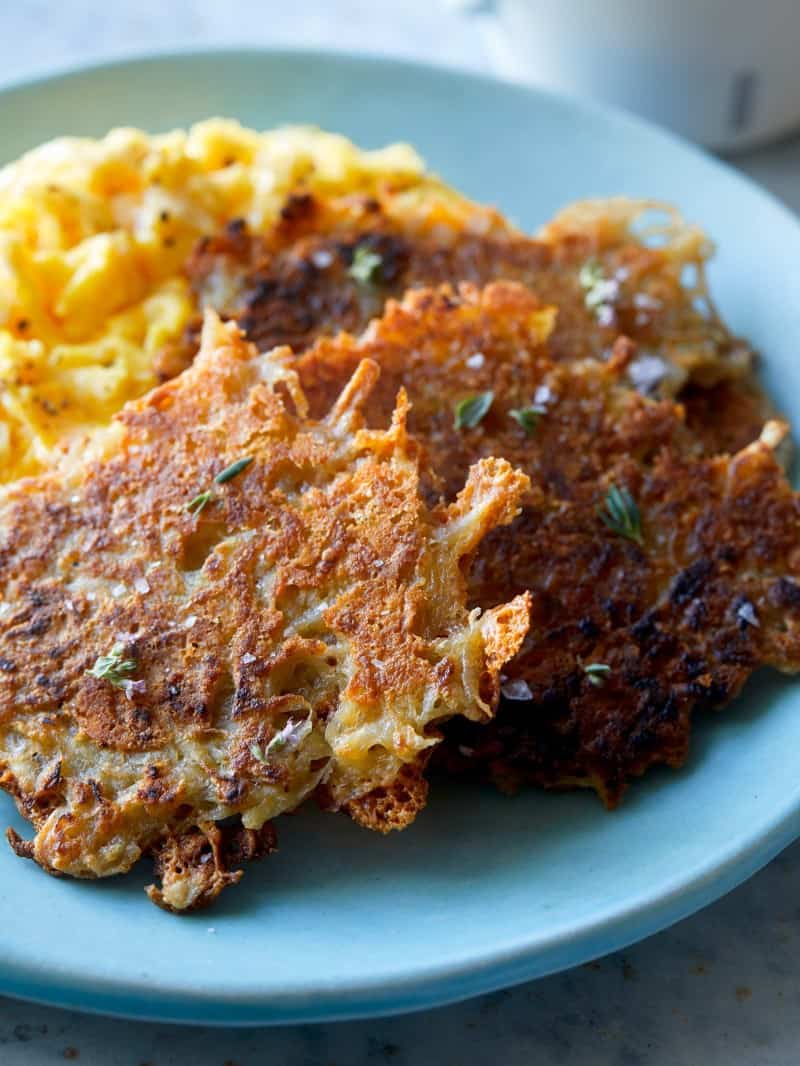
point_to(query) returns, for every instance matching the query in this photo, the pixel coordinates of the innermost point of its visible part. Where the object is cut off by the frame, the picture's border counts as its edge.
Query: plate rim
(422, 987)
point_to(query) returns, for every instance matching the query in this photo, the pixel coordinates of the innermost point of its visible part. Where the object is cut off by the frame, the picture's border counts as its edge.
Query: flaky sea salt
(131, 687)
(605, 315)
(746, 612)
(647, 372)
(322, 258)
(645, 302)
(516, 689)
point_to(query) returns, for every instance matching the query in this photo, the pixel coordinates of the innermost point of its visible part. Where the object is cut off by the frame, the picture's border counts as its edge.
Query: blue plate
(483, 891)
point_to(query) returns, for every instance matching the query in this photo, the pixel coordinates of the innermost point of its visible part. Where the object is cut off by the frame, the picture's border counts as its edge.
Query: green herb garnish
(591, 274)
(527, 417)
(365, 266)
(596, 673)
(231, 471)
(472, 409)
(257, 752)
(621, 514)
(196, 505)
(113, 667)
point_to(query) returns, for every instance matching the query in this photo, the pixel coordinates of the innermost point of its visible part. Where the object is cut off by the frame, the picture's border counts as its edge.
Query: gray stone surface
(719, 989)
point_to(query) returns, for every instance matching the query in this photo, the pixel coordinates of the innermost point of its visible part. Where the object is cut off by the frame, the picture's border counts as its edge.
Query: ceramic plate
(483, 891)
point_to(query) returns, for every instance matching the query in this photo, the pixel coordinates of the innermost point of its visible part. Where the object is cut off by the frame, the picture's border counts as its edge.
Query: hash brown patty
(228, 607)
(634, 625)
(332, 265)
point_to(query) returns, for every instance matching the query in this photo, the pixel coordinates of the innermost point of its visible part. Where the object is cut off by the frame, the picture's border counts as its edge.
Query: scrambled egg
(93, 237)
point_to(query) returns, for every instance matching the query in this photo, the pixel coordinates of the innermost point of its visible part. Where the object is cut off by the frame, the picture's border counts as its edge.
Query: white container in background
(722, 72)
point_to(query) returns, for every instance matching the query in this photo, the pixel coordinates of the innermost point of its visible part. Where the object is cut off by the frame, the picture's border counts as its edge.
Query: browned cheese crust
(295, 283)
(304, 630)
(680, 621)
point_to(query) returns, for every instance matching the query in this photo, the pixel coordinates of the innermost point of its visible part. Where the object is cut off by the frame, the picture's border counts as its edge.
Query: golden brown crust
(21, 848)
(394, 806)
(194, 867)
(681, 621)
(728, 416)
(282, 634)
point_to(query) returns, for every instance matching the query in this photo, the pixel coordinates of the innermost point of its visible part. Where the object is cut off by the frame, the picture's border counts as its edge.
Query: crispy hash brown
(229, 608)
(661, 578)
(331, 265)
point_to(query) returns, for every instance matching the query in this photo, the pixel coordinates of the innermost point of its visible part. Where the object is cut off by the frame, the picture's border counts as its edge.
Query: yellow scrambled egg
(93, 235)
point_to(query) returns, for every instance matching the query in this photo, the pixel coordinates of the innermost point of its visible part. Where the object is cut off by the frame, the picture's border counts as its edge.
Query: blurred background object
(722, 72)
(71, 31)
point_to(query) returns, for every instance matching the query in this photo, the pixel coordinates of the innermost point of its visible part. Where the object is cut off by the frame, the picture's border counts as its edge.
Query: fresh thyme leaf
(113, 667)
(591, 273)
(231, 471)
(527, 417)
(365, 266)
(196, 505)
(472, 409)
(596, 673)
(257, 752)
(621, 514)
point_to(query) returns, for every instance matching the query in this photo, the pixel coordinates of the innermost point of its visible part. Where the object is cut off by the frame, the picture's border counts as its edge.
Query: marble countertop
(722, 987)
